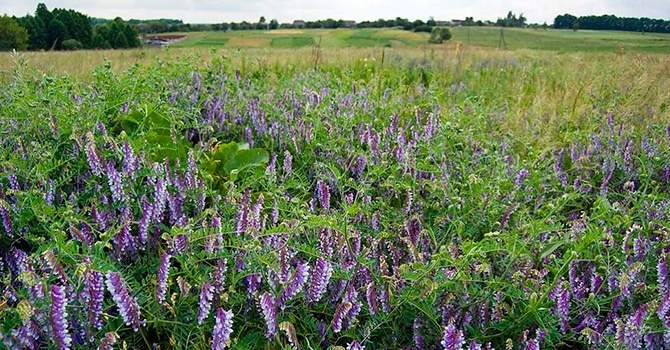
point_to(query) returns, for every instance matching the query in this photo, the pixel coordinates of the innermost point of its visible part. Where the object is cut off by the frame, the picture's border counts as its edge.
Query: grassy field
(299, 38)
(514, 38)
(564, 40)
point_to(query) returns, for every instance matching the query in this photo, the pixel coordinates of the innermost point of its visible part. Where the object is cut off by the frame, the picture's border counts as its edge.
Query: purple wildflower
(475, 346)
(219, 275)
(95, 294)
(143, 226)
(419, 341)
(94, 161)
(214, 239)
(520, 176)
(452, 338)
(354, 345)
(6, 219)
(83, 235)
(27, 336)
(160, 200)
(632, 335)
(662, 269)
(288, 161)
(59, 318)
(294, 285)
(340, 313)
(127, 305)
(269, 310)
(358, 170)
(223, 328)
(206, 297)
(323, 194)
(372, 298)
(108, 341)
(321, 274)
(243, 214)
(115, 183)
(561, 298)
(130, 164)
(163, 272)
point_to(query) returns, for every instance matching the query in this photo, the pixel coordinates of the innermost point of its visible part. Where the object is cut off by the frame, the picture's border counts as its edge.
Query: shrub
(71, 45)
(439, 35)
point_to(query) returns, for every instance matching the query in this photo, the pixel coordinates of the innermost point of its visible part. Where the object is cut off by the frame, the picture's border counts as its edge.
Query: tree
(99, 42)
(56, 34)
(274, 24)
(120, 42)
(12, 35)
(439, 35)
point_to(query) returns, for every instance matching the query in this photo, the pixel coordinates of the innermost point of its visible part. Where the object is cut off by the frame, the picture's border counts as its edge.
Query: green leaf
(247, 158)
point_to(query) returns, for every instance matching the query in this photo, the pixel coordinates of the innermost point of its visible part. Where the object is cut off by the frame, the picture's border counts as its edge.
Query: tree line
(64, 29)
(611, 22)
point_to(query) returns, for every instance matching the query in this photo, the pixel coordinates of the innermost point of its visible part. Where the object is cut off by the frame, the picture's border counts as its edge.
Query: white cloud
(210, 11)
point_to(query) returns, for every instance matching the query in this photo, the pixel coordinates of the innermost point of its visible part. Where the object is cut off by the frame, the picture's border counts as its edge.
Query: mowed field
(513, 38)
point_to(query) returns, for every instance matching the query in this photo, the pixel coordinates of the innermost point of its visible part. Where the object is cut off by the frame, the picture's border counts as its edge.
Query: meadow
(342, 197)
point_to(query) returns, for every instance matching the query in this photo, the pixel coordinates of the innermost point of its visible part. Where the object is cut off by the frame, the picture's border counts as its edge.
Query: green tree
(99, 42)
(71, 45)
(132, 37)
(120, 42)
(274, 24)
(439, 35)
(56, 34)
(12, 35)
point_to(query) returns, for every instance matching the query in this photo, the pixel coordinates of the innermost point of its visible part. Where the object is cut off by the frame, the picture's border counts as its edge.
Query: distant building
(457, 22)
(349, 24)
(298, 23)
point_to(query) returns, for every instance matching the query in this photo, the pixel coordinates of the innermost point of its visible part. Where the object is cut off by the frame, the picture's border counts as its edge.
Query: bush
(71, 45)
(439, 35)
(423, 28)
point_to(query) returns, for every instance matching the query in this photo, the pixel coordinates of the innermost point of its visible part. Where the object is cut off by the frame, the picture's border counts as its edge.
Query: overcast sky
(213, 11)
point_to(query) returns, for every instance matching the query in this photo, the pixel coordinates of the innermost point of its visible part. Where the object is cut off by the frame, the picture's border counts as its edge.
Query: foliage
(439, 35)
(71, 44)
(12, 36)
(372, 203)
(511, 20)
(611, 22)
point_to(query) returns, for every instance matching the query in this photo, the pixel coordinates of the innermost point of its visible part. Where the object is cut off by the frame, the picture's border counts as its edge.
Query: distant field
(514, 38)
(284, 38)
(563, 40)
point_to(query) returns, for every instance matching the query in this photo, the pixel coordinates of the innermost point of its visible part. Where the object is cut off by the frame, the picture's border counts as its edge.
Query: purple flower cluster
(452, 338)
(294, 285)
(269, 310)
(206, 297)
(95, 293)
(126, 304)
(223, 328)
(59, 317)
(163, 272)
(320, 277)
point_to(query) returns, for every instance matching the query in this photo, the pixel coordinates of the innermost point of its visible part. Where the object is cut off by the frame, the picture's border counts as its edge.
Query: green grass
(563, 40)
(515, 38)
(298, 38)
(292, 41)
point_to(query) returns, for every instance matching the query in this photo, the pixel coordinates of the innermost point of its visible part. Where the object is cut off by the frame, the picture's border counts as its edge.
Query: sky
(217, 11)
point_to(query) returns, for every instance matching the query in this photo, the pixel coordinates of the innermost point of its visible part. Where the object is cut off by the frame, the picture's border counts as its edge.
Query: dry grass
(545, 96)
